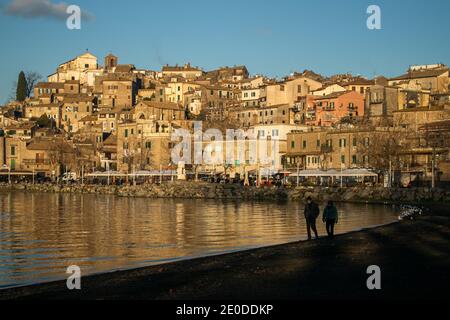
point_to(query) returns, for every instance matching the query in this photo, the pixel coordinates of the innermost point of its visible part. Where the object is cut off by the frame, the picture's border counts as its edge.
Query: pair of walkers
(312, 212)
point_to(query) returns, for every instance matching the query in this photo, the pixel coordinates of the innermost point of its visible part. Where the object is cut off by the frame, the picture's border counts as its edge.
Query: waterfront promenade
(413, 257)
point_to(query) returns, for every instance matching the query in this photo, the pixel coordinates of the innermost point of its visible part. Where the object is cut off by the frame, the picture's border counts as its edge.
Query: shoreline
(270, 272)
(201, 190)
(185, 259)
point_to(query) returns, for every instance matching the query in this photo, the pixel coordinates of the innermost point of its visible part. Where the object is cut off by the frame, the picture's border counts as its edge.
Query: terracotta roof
(72, 82)
(50, 85)
(421, 74)
(21, 126)
(45, 105)
(359, 82)
(162, 105)
(110, 141)
(179, 68)
(48, 143)
(333, 95)
(89, 118)
(124, 68)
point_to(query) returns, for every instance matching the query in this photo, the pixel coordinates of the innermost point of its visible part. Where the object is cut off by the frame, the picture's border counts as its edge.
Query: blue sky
(273, 38)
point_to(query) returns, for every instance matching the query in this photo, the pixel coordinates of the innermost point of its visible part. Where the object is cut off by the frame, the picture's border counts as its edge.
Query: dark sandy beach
(413, 257)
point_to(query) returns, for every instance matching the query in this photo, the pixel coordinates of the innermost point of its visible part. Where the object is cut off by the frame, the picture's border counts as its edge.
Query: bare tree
(12, 93)
(61, 154)
(382, 150)
(32, 79)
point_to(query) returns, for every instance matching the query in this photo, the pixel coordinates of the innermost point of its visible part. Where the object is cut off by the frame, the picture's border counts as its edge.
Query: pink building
(328, 110)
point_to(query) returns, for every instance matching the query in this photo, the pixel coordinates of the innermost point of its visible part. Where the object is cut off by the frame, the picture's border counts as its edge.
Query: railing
(36, 162)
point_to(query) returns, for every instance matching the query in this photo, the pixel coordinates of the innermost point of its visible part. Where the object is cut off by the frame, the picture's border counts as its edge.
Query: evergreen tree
(21, 92)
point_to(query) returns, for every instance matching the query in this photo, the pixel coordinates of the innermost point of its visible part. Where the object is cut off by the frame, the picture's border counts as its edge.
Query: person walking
(312, 212)
(330, 218)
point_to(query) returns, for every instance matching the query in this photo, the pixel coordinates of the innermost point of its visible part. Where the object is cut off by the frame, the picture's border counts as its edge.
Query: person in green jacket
(330, 218)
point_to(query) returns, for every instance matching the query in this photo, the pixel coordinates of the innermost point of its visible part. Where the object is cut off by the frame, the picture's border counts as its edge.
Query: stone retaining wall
(200, 190)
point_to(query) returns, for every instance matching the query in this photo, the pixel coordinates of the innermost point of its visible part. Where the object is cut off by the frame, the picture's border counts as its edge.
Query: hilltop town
(118, 119)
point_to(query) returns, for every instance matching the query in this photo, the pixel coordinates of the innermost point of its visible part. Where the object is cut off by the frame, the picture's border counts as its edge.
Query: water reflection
(42, 234)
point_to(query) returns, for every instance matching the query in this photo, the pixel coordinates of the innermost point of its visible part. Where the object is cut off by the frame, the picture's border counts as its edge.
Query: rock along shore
(201, 190)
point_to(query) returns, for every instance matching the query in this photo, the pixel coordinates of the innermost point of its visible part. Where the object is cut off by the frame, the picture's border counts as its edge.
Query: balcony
(36, 162)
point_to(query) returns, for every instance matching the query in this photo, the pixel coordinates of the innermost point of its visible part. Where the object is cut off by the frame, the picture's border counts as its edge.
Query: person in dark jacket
(312, 212)
(330, 218)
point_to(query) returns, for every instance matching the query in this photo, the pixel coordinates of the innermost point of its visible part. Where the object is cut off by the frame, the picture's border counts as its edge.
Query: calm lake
(42, 234)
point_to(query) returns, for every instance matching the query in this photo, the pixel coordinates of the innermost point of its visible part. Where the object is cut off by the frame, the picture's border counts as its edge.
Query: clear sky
(271, 37)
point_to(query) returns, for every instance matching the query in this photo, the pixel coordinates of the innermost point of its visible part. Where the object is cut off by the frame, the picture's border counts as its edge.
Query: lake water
(42, 234)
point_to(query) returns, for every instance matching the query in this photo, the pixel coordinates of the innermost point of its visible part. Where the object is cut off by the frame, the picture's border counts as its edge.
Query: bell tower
(111, 61)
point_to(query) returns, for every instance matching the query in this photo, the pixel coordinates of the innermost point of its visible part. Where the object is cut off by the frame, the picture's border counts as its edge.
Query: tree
(383, 149)
(45, 122)
(32, 78)
(61, 154)
(21, 91)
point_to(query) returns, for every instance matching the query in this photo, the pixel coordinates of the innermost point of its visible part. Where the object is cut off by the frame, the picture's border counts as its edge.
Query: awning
(336, 173)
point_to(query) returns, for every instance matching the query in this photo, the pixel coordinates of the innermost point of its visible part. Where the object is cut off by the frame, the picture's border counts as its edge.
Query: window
(86, 65)
(354, 142)
(318, 143)
(13, 150)
(281, 87)
(126, 133)
(292, 144)
(148, 145)
(304, 144)
(343, 159)
(354, 159)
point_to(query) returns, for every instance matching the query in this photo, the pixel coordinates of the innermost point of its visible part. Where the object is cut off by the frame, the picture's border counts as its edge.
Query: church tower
(111, 61)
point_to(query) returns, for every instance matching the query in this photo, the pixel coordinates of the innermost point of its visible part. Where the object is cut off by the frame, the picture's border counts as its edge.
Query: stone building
(434, 78)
